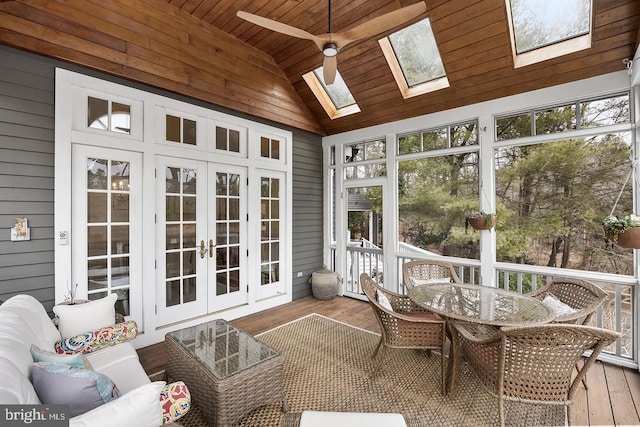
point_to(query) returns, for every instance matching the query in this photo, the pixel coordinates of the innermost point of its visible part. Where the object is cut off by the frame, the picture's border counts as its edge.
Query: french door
(201, 230)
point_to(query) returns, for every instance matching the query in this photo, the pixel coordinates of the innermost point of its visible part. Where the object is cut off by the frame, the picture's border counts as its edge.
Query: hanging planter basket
(482, 222)
(629, 239)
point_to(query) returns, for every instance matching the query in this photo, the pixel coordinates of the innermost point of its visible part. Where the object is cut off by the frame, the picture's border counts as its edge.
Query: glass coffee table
(228, 372)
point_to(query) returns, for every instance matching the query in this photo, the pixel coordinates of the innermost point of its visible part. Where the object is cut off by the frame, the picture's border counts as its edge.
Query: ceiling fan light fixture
(330, 49)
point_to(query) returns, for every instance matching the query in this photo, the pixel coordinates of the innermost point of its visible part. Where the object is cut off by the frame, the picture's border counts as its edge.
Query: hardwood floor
(613, 397)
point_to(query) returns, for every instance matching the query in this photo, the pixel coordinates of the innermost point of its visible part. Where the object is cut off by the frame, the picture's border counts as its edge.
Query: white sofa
(24, 321)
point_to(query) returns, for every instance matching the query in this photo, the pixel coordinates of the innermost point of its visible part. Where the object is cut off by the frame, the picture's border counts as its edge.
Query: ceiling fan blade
(329, 68)
(379, 24)
(280, 27)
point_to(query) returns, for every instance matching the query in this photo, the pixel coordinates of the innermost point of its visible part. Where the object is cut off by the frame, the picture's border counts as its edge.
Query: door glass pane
(96, 207)
(189, 239)
(97, 274)
(264, 147)
(189, 181)
(96, 174)
(188, 208)
(221, 258)
(221, 234)
(173, 264)
(120, 239)
(119, 208)
(172, 236)
(172, 296)
(189, 263)
(189, 289)
(96, 240)
(172, 180)
(234, 281)
(234, 257)
(221, 283)
(221, 209)
(173, 208)
(234, 209)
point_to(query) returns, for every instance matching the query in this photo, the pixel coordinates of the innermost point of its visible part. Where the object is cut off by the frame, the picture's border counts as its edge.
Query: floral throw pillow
(98, 339)
(175, 401)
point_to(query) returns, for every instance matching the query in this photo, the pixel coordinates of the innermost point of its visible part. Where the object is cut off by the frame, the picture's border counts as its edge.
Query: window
(554, 194)
(107, 115)
(366, 153)
(180, 130)
(581, 114)
(435, 192)
(545, 29)
(455, 135)
(269, 148)
(336, 99)
(414, 59)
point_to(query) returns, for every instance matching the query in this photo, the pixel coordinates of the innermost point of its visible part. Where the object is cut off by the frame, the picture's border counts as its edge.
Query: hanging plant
(623, 231)
(480, 220)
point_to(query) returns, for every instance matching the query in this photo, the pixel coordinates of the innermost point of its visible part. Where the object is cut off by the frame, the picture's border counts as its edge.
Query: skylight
(336, 99)
(414, 59)
(545, 29)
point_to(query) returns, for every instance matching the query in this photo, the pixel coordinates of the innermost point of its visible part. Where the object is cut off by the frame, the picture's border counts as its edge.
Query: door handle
(211, 245)
(203, 250)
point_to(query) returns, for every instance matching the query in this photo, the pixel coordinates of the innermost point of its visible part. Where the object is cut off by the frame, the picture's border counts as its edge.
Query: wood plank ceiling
(201, 49)
(472, 36)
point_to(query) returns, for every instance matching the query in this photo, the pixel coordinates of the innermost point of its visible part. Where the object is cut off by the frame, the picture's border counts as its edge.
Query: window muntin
(454, 135)
(413, 56)
(336, 99)
(582, 114)
(545, 29)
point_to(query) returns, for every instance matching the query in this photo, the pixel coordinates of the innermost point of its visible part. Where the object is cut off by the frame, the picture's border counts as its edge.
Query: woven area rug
(328, 367)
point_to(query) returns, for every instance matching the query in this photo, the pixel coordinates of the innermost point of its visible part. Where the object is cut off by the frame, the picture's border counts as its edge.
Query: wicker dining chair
(404, 324)
(421, 272)
(529, 364)
(582, 296)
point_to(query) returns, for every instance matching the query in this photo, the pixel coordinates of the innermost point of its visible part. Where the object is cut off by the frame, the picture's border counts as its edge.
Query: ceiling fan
(331, 43)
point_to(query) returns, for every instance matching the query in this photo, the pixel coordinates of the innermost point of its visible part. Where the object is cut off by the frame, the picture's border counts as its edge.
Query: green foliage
(614, 226)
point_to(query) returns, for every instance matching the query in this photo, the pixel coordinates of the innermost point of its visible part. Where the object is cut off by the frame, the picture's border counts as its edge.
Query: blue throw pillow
(81, 389)
(76, 360)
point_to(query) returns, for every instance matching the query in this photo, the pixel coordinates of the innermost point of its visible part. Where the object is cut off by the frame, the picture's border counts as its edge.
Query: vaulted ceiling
(201, 49)
(472, 36)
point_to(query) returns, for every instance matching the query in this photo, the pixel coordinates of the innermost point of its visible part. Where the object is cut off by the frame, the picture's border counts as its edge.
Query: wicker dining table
(485, 305)
(228, 371)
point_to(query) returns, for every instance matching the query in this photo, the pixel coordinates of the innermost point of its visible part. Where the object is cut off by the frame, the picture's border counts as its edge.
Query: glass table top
(481, 304)
(223, 349)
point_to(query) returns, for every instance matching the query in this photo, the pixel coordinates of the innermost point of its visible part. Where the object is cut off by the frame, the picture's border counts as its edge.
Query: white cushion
(78, 318)
(439, 281)
(15, 388)
(384, 301)
(350, 419)
(140, 407)
(121, 364)
(561, 308)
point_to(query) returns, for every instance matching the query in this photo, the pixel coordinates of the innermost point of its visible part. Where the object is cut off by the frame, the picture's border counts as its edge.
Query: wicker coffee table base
(225, 402)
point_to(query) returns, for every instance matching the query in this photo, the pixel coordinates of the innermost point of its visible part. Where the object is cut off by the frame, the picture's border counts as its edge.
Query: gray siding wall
(27, 169)
(26, 174)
